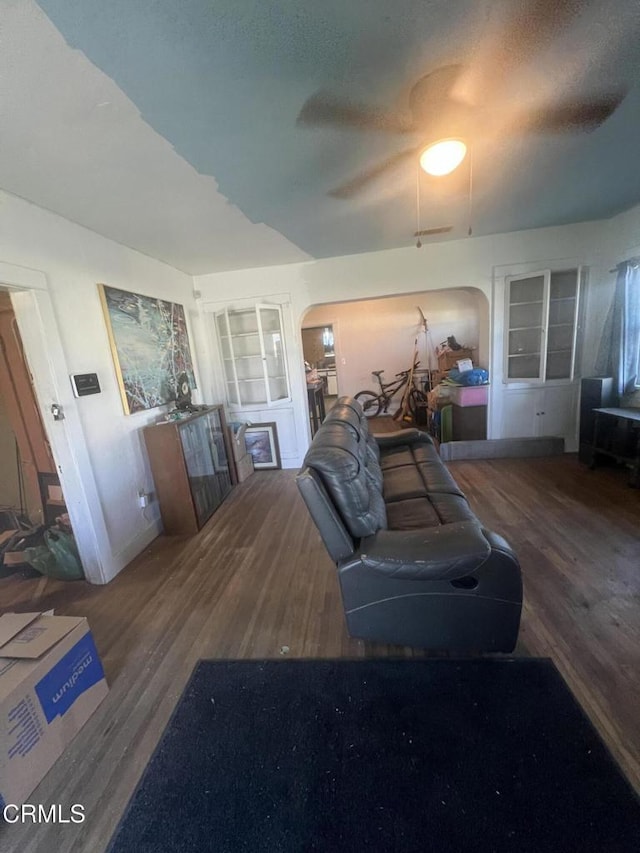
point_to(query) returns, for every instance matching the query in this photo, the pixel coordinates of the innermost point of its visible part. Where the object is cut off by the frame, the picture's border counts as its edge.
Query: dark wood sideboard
(190, 464)
(616, 435)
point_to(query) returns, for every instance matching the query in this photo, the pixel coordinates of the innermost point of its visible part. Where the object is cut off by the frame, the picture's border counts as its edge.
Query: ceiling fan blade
(352, 187)
(575, 116)
(533, 27)
(513, 43)
(322, 108)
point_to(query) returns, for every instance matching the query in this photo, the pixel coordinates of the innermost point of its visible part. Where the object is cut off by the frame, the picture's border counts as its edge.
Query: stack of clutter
(460, 385)
(450, 353)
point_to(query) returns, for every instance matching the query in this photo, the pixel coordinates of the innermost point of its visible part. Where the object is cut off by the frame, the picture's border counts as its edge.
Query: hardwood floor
(257, 579)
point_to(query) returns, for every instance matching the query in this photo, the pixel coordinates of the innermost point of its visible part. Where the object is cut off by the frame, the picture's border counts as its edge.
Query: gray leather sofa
(416, 567)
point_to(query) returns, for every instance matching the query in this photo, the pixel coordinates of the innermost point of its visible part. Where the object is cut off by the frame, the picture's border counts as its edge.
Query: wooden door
(22, 410)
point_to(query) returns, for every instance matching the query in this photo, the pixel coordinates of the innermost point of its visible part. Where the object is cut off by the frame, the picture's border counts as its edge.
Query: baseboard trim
(502, 448)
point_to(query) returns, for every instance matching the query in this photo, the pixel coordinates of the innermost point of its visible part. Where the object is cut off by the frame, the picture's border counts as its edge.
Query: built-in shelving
(542, 310)
(253, 355)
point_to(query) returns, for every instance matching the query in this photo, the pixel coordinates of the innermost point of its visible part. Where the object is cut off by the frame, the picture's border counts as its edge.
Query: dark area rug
(380, 755)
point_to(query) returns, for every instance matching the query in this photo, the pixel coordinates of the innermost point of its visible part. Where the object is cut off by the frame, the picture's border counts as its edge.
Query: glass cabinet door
(542, 317)
(228, 359)
(206, 463)
(526, 322)
(275, 363)
(563, 306)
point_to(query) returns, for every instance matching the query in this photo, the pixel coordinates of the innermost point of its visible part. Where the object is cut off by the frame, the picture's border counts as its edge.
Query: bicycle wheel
(370, 402)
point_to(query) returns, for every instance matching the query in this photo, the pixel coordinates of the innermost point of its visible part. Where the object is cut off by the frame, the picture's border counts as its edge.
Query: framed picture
(149, 345)
(262, 444)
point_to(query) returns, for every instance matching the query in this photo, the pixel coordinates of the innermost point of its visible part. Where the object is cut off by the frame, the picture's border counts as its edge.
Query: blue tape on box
(71, 676)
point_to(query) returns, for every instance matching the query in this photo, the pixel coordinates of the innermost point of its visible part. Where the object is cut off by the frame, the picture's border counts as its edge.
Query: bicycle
(373, 403)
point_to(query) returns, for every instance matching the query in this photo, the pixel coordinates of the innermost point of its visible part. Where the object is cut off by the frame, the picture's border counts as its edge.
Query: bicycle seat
(377, 372)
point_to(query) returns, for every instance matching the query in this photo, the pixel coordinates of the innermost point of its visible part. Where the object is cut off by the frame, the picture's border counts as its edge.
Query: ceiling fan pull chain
(470, 231)
(419, 241)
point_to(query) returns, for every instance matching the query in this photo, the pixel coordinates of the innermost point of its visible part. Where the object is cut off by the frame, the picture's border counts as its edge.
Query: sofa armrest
(446, 552)
(402, 436)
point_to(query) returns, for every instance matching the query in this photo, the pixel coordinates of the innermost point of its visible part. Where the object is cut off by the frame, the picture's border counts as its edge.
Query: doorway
(382, 334)
(319, 350)
(32, 506)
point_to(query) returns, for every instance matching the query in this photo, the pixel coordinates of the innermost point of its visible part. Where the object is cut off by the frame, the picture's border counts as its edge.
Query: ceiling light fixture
(443, 156)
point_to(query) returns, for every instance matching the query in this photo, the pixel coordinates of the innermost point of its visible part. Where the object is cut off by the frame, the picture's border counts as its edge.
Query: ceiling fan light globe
(443, 156)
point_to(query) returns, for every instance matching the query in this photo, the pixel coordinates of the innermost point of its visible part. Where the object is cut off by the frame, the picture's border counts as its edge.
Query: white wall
(379, 334)
(478, 262)
(73, 260)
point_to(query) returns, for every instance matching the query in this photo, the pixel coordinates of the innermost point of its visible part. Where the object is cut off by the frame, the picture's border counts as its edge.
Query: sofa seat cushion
(396, 457)
(427, 511)
(401, 483)
(412, 514)
(418, 457)
(411, 453)
(451, 508)
(438, 479)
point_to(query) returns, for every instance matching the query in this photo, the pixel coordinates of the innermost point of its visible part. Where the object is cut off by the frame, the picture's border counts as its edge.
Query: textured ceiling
(171, 127)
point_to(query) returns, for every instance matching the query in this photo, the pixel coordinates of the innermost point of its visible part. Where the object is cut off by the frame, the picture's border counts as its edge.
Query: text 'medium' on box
(51, 681)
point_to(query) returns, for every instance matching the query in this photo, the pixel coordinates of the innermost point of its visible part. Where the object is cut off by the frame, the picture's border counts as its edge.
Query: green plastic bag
(40, 558)
(59, 559)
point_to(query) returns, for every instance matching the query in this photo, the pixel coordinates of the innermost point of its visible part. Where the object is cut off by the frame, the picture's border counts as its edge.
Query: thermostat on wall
(84, 384)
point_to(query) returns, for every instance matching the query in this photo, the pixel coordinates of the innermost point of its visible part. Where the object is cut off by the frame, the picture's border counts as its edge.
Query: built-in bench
(416, 566)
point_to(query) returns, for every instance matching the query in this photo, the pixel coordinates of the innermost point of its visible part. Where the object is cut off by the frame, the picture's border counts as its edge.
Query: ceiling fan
(454, 105)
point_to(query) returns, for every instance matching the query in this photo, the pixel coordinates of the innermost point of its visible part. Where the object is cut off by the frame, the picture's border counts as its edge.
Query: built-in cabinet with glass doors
(541, 323)
(542, 315)
(253, 355)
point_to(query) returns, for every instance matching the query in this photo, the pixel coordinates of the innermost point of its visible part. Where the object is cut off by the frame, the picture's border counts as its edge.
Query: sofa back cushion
(348, 412)
(348, 418)
(340, 455)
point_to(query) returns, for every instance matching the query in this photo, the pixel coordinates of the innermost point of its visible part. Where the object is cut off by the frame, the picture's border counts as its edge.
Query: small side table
(315, 394)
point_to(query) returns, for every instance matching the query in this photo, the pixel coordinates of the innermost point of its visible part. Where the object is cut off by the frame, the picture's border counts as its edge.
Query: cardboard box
(450, 358)
(55, 493)
(244, 467)
(51, 681)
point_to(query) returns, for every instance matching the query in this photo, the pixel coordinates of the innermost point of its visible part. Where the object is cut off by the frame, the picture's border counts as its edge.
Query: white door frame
(35, 316)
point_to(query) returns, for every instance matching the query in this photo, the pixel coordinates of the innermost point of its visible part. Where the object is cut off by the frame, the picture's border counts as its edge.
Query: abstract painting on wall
(150, 347)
